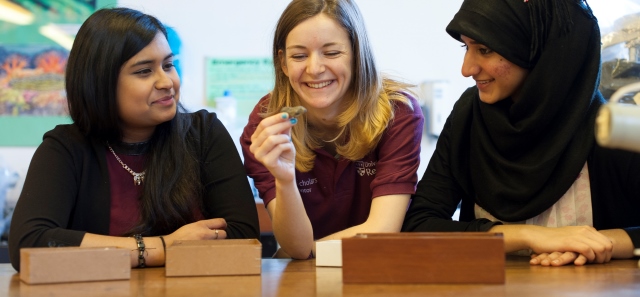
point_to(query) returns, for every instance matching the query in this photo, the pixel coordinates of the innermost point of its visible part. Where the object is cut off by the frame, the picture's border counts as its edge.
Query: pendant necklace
(138, 178)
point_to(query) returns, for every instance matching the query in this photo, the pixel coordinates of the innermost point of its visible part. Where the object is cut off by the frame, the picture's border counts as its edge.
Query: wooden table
(301, 278)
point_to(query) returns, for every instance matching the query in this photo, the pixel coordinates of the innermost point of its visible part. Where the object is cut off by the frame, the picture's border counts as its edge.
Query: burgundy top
(337, 193)
(125, 205)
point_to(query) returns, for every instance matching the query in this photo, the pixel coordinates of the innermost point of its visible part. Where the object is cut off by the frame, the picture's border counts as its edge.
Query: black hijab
(523, 156)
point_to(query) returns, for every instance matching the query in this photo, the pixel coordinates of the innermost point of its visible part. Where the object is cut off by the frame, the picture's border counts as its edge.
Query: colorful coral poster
(32, 81)
(35, 39)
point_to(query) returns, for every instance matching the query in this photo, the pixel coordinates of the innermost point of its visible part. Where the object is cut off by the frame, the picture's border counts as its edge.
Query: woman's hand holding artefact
(271, 145)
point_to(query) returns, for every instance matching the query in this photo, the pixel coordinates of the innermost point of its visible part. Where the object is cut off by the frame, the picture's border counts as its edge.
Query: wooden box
(74, 264)
(443, 257)
(214, 257)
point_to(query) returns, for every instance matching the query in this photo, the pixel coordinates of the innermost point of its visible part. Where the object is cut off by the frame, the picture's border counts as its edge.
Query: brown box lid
(424, 257)
(214, 257)
(74, 264)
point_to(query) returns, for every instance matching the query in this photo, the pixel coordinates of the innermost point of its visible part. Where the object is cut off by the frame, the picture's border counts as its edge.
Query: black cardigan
(615, 193)
(67, 193)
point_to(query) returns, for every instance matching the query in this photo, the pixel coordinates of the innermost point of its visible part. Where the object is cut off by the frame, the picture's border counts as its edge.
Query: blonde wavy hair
(371, 105)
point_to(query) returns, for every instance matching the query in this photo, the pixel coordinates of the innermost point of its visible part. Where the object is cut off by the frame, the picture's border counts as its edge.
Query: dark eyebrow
(143, 62)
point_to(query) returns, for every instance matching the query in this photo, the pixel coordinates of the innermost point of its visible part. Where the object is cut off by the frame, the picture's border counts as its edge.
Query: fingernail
(284, 115)
(293, 121)
(556, 261)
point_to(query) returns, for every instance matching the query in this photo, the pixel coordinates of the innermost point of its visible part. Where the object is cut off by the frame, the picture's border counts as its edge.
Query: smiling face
(496, 77)
(148, 90)
(318, 62)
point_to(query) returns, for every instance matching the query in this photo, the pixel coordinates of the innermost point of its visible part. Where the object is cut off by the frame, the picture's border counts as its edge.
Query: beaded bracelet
(140, 244)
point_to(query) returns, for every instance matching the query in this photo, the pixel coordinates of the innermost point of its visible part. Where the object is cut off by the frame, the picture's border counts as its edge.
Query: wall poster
(35, 39)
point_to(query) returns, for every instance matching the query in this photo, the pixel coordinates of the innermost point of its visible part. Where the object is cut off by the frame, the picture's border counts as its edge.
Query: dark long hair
(106, 40)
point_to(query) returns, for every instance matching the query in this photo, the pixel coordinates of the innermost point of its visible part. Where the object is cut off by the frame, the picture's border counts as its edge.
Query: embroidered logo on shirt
(366, 168)
(305, 183)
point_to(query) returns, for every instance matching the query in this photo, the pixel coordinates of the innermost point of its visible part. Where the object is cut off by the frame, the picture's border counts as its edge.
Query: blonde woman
(349, 164)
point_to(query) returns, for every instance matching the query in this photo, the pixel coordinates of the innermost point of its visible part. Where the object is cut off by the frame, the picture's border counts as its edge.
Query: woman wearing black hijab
(518, 150)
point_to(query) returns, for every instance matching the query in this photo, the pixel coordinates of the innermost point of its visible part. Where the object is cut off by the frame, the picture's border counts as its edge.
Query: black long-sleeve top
(67, 192)
(615, 193)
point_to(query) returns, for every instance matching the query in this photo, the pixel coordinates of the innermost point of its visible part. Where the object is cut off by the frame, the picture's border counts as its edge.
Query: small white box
(329, 253)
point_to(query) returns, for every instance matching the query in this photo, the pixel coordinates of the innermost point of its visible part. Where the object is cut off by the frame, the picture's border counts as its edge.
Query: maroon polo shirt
(337, 193)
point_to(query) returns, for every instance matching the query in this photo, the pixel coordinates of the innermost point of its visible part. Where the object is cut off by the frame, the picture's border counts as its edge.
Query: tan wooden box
(74, 264)
(214, 257)
(443, 257)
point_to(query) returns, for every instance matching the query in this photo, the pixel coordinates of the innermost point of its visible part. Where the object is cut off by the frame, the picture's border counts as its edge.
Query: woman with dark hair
(518, 150)
(349, 165)
(133, 163)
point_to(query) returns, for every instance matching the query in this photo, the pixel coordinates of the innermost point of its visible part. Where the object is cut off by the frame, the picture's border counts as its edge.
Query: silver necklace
(138, 178)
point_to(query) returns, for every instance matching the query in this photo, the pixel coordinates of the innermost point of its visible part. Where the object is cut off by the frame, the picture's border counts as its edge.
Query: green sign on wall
(246, 79)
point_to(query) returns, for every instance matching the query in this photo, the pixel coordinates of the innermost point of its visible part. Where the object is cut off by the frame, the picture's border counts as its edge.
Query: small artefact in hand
(294, 111)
